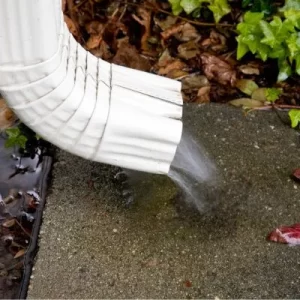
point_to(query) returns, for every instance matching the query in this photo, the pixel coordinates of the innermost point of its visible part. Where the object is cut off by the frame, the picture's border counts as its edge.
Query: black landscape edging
(33, 247)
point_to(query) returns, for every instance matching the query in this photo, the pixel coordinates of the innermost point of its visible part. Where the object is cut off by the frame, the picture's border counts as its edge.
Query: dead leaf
(71, 25)
(183, 32)
(296, 174)
(194, 82)
(260, 95)
(128, 56)
(169, 66)
(217, 69)
(286, 234)
(20, 253)
(93, 41)
(103, 51)
(176, 74)
(188, 50)
(249, 69)
(112, 30)
(144, 19)
(246, 103)
(247, 86)
(94, 27)
(7, 117)
(215, 42)
(175, 65)
(63, 5)
(166, 23)
(165, 59)
(188, 283)
(203, 95)
(9, 223)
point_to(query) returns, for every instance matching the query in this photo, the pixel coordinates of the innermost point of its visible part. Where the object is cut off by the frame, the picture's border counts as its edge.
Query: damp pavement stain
(91, 246)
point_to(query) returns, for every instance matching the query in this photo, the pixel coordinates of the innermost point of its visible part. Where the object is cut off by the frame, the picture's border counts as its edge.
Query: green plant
(15, 138)
(265, 6)
(272, 94)
(294, 115)
(219, 8)
(278, 39)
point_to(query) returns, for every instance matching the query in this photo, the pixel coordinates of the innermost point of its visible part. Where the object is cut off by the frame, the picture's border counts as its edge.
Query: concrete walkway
(93, 247)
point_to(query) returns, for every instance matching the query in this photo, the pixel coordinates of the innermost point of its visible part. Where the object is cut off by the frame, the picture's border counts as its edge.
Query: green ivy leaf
(242, 49)
(293, 43)
(278, 39)
(264, 6)
(291, 4)
(176, 7)
(246, 3)
(263, 51)
(285, 70)
(190, 5)
(253, 18)
(293, 15)
(297, 59)
(219, 8)
(269, 38)
(15, 138)
(272, 94)
(294, 115)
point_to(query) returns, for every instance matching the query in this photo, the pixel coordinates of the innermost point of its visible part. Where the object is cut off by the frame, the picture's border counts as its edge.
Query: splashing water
(194, 173)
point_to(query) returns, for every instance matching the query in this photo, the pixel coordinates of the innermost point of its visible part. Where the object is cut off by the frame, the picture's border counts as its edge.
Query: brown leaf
(103, 51)
(144, 19)
(203, 95)
(246, 103)
(94, 27)
(63, 5)
(260, 95)
(93, 42)
(188, 283)
(215, 42)
(71, 25)
(218, 69)
(174, 65)
(176, 74)
(20, 253)
(188, 50)
(9, 223)
(128, 56)
(165, 59)
(194, 82)
(249, 69)
(183, 32)
(247, 86)
(7, 117)
(169, 66)
(165, 23)
(111, 32)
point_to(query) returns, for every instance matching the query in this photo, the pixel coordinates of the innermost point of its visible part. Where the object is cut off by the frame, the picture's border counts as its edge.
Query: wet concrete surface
(91, 246)
(14, 208)
(8, 166)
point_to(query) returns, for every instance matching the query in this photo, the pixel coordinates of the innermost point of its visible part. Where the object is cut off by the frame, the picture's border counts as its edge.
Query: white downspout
(82, 104)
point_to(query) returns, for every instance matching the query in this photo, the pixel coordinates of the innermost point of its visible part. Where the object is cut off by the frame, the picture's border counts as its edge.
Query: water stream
(195, 174)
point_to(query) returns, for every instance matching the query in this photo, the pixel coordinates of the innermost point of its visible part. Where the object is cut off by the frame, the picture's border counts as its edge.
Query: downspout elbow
(86, 106)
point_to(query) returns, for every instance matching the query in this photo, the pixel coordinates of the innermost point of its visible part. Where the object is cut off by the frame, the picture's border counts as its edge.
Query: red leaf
(188, 283)
(286, 234)
(296, 174)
